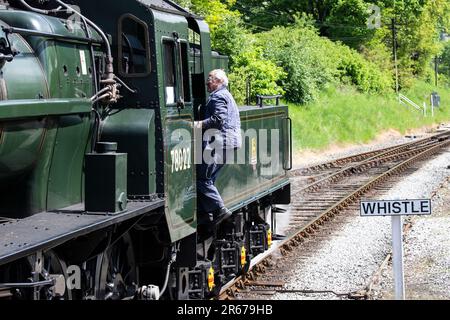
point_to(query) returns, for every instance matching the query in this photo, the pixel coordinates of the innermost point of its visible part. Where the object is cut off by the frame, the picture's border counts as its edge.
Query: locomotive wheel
(116, 272)
(52, 265)
(21, 271)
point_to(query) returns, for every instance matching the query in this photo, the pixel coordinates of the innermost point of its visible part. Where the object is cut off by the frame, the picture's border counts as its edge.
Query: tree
(347, 22)
(229, 36)
(270, 13)
(419, 24)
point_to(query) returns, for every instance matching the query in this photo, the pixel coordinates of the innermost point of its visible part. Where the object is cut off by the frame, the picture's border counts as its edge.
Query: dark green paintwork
(20, 145)
(51, 100)
(134, 132)
(22, 109)
(238, 182)
(206, 49)
(220, 62)
(179, 185)
(64, 183)
(39, 177)
(106, 182)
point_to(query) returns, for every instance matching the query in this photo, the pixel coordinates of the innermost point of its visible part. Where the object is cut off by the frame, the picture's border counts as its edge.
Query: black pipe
(45, 283)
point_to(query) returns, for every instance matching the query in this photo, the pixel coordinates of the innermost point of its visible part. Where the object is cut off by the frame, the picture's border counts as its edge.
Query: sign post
(396, 209)
(397, 256)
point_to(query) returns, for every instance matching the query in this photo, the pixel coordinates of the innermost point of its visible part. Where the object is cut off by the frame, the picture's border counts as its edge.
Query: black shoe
(204, 219)
(221, 214)
(278, 237)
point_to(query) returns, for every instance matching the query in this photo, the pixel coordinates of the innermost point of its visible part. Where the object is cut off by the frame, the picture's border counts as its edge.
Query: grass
(346, 116)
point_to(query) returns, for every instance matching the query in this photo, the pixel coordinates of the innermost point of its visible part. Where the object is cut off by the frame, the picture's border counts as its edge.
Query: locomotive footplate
(49, 229)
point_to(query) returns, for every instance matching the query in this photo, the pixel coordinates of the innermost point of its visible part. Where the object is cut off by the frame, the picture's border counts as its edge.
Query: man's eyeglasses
(210, 79)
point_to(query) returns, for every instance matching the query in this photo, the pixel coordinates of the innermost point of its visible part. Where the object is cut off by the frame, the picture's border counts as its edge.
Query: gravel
(426, 255)
(350, 255)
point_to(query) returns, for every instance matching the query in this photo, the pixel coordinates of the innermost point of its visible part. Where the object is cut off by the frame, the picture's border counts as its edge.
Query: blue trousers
(209, 199)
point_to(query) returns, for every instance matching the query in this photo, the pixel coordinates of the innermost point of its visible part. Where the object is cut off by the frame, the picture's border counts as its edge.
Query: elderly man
(222, 135)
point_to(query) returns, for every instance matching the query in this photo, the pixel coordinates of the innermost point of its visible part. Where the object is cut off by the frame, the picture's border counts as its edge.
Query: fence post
(424, 109)
(432, 105)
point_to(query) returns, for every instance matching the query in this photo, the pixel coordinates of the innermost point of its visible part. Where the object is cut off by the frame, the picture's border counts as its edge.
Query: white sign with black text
(396, 209)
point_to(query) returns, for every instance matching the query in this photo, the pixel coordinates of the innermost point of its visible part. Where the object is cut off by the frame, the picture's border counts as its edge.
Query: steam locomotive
(97, 155)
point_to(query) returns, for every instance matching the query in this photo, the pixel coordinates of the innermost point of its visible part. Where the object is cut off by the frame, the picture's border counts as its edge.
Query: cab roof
(168, 6)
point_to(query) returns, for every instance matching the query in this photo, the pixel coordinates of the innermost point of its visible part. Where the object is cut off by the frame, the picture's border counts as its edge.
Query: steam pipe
(109, 58)
(26, 5)
(124, 85)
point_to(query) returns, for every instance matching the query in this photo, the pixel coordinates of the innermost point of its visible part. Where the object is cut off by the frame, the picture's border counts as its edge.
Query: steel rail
(294, 240)
(370, 155)
(361, 167)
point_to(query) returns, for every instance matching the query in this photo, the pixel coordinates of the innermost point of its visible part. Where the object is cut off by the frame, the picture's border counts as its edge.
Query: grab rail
(289, 146)
(408, 102)
(261, 98)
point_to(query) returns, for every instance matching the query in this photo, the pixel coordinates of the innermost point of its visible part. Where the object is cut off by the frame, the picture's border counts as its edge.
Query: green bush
(292, 60)
(300, 52)
(347, 22)
(313, 62)
(230, 37)
(263, 76)
(366, 76)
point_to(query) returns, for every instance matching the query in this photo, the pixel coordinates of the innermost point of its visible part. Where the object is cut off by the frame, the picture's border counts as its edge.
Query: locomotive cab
(151, 48)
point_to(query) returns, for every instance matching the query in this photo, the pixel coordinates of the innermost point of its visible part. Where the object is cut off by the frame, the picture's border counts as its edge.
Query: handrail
(289, 146)
(261, 98)
(405, 98)
(408, 102)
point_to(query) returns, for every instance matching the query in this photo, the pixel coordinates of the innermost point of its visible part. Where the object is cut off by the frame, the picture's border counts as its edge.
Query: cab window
(134, 50)
(185, 71)
(169, 71)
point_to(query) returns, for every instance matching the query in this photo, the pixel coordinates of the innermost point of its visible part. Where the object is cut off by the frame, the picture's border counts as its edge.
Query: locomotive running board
(44, 230)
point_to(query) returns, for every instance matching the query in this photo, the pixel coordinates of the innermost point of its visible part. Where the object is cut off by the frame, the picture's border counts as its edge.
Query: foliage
(322, 54)
(365, 75)
(231, 38)
(298, 50)
(342, 115)
(418, 25)
(347, 22)
(445, 61)
(313, 62)
(268, 14)
(262, 75)
(261, 36)
(227, 31)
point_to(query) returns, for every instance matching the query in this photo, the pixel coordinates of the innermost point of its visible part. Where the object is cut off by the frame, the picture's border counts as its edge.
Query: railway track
(315, 204)
(337, 163)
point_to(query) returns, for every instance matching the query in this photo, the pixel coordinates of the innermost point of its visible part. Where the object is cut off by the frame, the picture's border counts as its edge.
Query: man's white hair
(220, 75)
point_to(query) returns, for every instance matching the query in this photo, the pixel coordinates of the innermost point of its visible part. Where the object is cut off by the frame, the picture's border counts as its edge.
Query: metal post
(436, 70)
(247, 91)
(432, 106)
(394, 49)
(397, 256)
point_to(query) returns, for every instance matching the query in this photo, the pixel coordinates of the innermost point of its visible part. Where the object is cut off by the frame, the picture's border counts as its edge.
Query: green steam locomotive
(97, 155)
